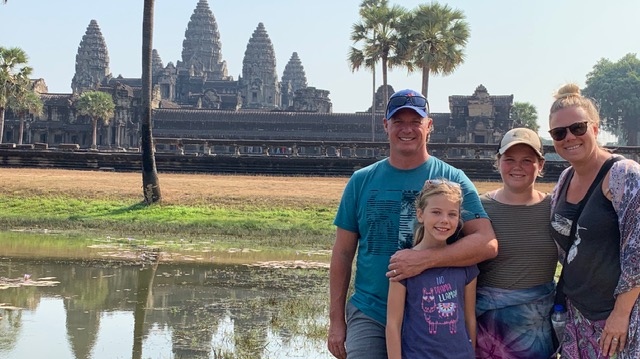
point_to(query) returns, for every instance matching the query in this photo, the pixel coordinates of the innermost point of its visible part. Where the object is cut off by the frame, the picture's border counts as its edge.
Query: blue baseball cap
(407, 99)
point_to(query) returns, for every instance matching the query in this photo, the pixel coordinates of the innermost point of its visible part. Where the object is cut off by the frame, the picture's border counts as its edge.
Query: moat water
(83, 308)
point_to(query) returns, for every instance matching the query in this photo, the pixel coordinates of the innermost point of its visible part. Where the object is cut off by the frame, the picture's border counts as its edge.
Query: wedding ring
(395, 272)
(614, 339)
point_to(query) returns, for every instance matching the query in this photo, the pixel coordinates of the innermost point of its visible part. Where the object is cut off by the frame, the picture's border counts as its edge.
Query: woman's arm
(617, 324)
(622, 187)
(395, 313)
(470, 309)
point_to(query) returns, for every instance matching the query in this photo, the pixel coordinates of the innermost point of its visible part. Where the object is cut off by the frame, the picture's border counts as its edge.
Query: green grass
(310, 227)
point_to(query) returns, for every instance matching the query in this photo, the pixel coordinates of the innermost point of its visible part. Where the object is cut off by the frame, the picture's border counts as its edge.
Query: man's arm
(478, 244)
(344, 250)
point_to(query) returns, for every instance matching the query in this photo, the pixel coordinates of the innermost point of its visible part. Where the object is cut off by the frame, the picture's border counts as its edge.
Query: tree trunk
(144, 300)
(21, 132)
(425, 82)
(373, 106)
(1, 124)
(385, 90)
(150, 182)
(94, 140)
(632, 136)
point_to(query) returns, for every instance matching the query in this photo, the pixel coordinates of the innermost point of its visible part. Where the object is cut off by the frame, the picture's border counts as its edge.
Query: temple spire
(293, 79)
(92, 60)
(201, 48)
(259, 79)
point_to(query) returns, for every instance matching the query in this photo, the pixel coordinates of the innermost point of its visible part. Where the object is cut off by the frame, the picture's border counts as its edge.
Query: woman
(515, 290)
(601, 273)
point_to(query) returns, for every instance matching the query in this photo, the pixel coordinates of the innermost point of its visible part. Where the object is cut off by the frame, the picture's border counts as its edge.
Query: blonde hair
(431, 188)
(569, 96)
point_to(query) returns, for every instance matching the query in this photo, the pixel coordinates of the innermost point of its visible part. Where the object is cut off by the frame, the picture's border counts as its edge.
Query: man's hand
(337, 337)
(406, 263)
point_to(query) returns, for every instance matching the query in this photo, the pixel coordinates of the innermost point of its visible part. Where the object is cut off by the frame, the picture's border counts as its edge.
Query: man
(375, 217)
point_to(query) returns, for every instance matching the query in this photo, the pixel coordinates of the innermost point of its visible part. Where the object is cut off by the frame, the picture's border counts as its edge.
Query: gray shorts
(365, 336)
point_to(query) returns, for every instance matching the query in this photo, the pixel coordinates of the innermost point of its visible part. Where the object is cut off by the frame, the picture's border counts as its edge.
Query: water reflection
(169, 311)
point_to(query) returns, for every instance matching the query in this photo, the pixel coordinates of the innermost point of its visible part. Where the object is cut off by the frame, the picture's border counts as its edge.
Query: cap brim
(419, 110)
(504, 148)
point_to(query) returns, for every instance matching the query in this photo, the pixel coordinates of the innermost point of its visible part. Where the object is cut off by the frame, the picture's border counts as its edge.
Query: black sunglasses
(577, 129)
(399, 101)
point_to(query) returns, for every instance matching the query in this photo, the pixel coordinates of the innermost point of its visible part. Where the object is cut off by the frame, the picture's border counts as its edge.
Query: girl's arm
(395, 313)
(470, 310)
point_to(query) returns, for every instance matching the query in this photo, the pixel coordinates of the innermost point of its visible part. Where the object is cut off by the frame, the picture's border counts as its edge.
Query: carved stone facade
(259, 81)
(197, 99)
(381, 103)
(310, 99)
(201, 48)
(92, 61)
(200, 79)
(479, 118)
(293, 79)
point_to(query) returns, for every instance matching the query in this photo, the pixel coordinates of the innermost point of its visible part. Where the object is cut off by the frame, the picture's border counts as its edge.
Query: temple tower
(201, 48)
(92, 60)
(293, 79)
(156, 65)
(259, 82)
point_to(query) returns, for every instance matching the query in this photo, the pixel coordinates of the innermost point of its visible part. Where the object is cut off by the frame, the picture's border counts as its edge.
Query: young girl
(432, 315)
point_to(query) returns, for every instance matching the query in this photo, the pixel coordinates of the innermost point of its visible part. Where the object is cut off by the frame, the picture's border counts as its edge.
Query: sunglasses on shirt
(577, 129)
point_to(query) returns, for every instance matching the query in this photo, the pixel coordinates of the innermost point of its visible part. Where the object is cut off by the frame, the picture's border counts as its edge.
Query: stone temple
(197, 98)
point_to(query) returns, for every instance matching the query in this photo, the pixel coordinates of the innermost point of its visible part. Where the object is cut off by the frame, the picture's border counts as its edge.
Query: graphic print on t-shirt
(390, 215)
(563, 226)
(440, 305)
(407, 219)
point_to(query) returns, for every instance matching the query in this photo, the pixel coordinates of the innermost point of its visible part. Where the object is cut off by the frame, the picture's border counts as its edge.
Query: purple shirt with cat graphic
(433, 325)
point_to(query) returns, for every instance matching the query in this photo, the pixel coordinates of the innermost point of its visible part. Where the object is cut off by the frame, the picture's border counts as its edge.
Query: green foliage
(524, 114)
(25, 102)
(434, 38)
(12, 71)
(377, 31)
(13, 74)
(96, 104)
(616, 88)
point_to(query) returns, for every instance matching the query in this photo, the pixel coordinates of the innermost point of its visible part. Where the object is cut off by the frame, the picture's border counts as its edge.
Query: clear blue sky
(524, 48)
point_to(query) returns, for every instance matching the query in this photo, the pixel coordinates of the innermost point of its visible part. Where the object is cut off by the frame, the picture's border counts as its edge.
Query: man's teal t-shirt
(378, 204)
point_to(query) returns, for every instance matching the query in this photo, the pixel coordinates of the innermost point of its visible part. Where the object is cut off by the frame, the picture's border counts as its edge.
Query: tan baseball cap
(521, 135)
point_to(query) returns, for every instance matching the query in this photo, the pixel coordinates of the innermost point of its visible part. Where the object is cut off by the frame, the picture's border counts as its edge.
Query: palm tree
(525, 114)
(150, 182)
(378, 33)
(23, 103)
(97, 105)
(10, 74)
(434, 37)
